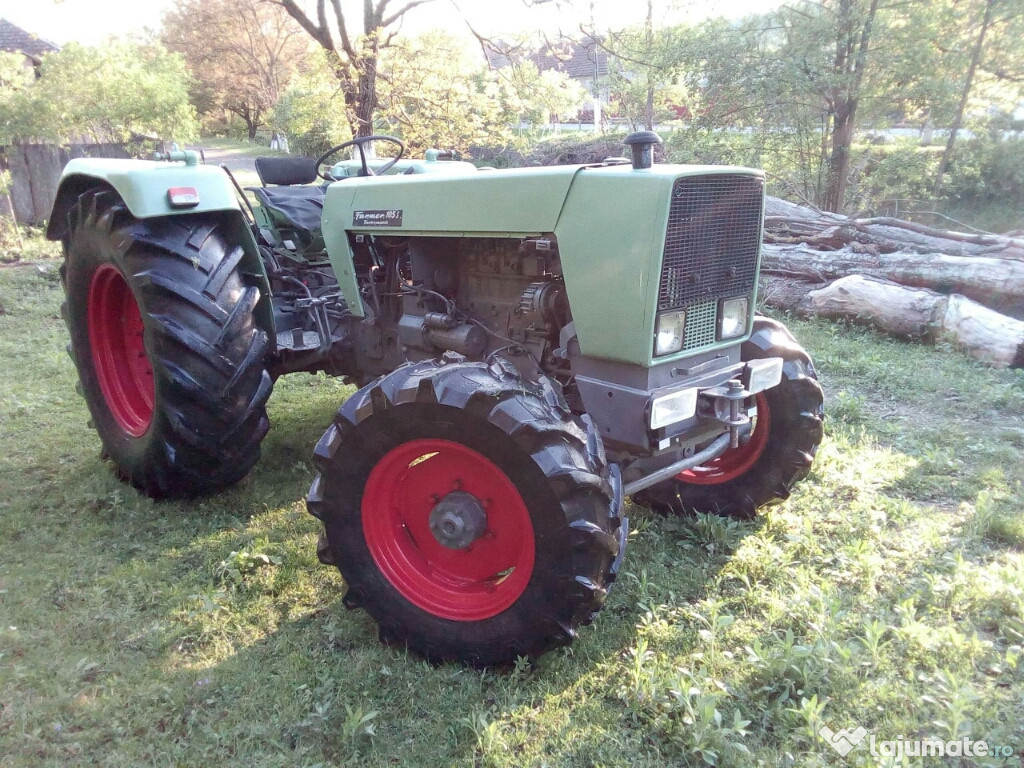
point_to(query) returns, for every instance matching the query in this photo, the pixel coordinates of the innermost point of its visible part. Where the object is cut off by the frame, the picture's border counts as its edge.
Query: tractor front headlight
(732, 318)
(668, 334)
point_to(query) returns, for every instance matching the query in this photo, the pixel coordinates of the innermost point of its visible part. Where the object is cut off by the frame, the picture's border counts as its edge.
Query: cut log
(788, 223)
(913, 313)
(986, 335)
(816, 246)
(995, 282)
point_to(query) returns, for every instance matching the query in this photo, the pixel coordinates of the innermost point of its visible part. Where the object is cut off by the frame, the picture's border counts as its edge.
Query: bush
(985, 170)
(315, 141)
(984, 183)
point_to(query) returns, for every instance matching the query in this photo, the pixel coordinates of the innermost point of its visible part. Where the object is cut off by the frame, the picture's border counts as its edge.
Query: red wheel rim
(735, 461)
(118, 354)
(469, 584)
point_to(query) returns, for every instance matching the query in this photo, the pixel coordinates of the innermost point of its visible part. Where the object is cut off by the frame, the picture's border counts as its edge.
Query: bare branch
(389, 20)
(346, 42)
(319, 33)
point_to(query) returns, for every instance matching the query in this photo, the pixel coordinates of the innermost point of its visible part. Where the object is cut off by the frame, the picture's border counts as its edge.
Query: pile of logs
(905, 279)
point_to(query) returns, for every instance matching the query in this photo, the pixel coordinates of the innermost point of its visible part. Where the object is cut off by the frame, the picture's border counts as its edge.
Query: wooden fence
(35, 170)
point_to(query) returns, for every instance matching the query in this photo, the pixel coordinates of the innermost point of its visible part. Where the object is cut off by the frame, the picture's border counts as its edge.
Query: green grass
(888, 592)
(23, 245)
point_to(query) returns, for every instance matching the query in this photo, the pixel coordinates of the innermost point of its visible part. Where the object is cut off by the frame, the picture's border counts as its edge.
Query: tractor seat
(298, 207)
(286, 171)
(295, 207)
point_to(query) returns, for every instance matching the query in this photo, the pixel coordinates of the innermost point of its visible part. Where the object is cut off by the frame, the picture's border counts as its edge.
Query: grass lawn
(888, 593)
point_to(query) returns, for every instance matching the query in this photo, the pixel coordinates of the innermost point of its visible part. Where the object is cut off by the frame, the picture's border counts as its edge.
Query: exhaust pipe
(641, 143)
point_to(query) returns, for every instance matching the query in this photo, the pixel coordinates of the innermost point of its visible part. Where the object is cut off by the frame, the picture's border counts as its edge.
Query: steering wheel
(358, 143)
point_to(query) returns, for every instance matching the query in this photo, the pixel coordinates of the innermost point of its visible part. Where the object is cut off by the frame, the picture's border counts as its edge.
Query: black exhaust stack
(641, 143)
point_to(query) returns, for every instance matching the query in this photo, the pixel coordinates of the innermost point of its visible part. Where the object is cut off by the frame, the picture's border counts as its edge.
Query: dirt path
(235, 159)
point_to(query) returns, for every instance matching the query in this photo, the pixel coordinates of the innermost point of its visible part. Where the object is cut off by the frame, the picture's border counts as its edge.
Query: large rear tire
(168, 353)
(785, 437)
(533, 526)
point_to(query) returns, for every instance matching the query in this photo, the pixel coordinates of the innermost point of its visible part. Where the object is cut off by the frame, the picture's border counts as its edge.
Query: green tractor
(532, 345)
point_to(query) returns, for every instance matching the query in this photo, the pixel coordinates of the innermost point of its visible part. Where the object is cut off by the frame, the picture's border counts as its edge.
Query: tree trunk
(366, 104)
(994, 282)
(947, 154)
(649, 39)
(850, 60)
(839, 161)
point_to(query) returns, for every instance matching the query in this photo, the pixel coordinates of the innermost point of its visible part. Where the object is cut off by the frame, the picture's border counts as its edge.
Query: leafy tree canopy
(109, 93)
(241, 54)
(311, 110)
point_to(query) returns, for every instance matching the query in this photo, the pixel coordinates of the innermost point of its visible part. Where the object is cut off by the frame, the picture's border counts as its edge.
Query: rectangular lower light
(183, 197)
(763, 374)
(672, 408)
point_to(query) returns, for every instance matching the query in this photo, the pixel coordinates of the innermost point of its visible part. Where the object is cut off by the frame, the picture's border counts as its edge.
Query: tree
(643, 67)
(436, 93)
(532, 96)
(242, 54)
(106, 94)
(994, 14)
(804, 76)
(433, 94)
(354, 58)
(311, 111)
(14, 75)
(832, 40)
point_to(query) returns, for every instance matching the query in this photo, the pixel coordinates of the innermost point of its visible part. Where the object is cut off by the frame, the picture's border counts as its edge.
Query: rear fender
(143, 186)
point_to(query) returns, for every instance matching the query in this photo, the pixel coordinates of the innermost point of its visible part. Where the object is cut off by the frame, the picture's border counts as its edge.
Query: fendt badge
(391, 218)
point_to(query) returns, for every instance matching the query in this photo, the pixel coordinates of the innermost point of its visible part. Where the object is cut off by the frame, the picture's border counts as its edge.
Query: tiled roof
(14, 39)
(576, 58)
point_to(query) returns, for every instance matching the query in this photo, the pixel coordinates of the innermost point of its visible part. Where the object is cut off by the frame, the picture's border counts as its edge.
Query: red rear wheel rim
(118, 353)
(735, 461)
(468, 584)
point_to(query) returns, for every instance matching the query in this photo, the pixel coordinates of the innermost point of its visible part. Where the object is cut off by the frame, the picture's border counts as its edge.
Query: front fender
(142, 185)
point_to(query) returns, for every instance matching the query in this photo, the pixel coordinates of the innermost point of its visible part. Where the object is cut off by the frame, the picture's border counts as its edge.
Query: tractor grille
(701, 325)
(712, 245)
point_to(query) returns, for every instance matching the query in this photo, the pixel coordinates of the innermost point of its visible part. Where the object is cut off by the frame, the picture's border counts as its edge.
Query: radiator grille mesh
(701, 325)
(713, 240)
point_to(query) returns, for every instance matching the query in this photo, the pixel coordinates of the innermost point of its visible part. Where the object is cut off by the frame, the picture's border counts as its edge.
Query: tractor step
(298, 341)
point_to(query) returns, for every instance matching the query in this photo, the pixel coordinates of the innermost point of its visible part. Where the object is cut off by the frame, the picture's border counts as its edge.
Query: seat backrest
(286, 170)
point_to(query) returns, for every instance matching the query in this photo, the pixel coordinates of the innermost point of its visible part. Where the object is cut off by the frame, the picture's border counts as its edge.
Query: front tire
(785, 437)
(534, 526)
(168, 353)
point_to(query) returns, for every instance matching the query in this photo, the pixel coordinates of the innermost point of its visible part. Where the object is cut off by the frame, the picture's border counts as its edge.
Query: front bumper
(696, 407)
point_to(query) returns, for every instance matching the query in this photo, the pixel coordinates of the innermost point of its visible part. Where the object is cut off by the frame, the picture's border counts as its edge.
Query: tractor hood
(633, 242)
(473, 203)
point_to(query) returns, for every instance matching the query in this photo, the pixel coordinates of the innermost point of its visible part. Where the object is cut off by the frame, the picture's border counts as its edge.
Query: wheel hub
(458, 520)
(402, 491)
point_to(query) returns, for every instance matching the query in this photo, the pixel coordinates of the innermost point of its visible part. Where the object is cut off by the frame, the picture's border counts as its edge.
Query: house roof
(576, 58)
(14, 39)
